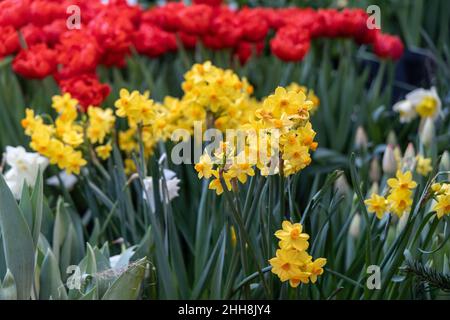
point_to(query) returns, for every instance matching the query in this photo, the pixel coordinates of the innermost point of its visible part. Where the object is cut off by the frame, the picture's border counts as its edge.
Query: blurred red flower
(9, 41)
(153, 41)
(14, 13)
(86, 89)
(213, 3)
(290, 44)
(37, 62)
(78, 53)
(387, 46)
(195, 19)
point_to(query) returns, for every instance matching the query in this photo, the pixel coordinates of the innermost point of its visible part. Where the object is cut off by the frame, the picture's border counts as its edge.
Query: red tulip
(86, 89)
(37, 62)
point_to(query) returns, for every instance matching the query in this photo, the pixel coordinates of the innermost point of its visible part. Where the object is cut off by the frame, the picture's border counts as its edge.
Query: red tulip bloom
(78, 53)
(153, 41)
(86, 89)
(37, 62)
(195, 19)
(9, 41)
(33, 35)
(225, 31)
(54, 30)
(164, 17)
(290, 44)
(387, 46)
(254, 24)
(43, 12)
(14, 13)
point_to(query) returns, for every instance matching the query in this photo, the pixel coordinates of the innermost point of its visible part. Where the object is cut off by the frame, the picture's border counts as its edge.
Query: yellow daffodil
(104, 151)
(442, 207)
(204, 166)
(402, 181)
(400, 201)
(423, 166)
(291, 236)
(376, 204)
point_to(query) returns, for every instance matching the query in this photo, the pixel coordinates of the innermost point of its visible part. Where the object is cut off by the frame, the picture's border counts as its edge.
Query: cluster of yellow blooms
(292, 262)
(216, 97)
(146, 115)
(62, 141)
(442, 194)
(423, 165)
(279, 125)
(399, 199)
(59, 142)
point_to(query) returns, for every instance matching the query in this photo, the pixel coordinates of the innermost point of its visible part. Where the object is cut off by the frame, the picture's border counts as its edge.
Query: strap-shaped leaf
(17, 242)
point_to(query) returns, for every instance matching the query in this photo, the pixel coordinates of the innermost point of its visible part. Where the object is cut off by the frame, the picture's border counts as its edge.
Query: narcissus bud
(341, 185)
(428, 132)
(409, 158)
(389, 164)
(361, 140)
(445, 162)
(375, 170)
(355, 226)
(392, 138)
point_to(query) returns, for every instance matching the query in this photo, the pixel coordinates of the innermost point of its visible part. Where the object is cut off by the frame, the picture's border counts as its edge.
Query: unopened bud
(445, 162)
(392, 138)
(341, 185)
(428, 132)
(361, 140)
(355, 226)
(389, 163)
(374, 188)
(409, 158)
(375, 170)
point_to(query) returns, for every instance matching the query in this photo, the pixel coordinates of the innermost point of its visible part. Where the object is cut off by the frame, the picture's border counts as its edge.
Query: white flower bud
(375, 170)
(428, 132)
(355, 226)
(392, 138)
(361, 140)
(389, 164)
(341, 185)
(409, 159)
(445, 162)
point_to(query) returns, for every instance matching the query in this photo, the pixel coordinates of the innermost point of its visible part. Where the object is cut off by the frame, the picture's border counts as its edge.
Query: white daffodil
(426, 102)
(23, 168)
(68, 180)
(406, 110)
(171, 182)
(422, 102)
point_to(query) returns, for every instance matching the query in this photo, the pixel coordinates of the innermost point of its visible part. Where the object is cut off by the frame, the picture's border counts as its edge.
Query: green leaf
(8, 290)
(128, 285)
(51, 285)
(17, 242)
(37, 199)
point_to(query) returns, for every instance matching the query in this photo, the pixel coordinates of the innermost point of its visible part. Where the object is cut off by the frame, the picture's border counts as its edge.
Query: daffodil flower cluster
(60, 141)
(284, 119)
(399, 199)
(151, 120)
(286, 115)
(292, 262)
(216, 97)
(442, 195)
